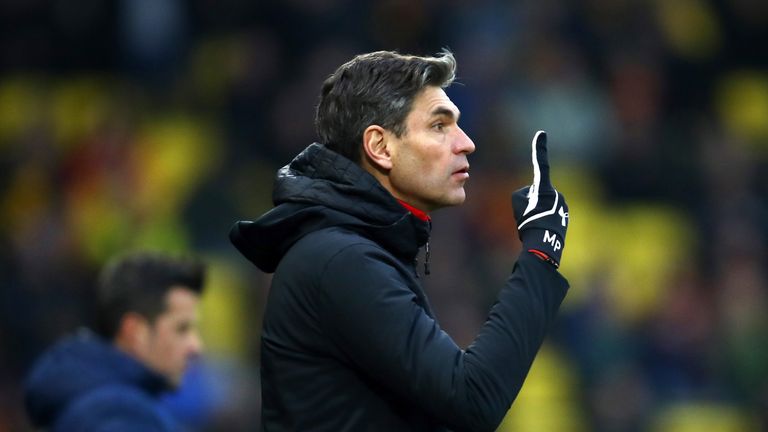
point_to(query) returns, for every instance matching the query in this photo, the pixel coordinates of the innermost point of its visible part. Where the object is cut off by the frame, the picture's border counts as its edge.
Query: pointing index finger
(540, 161)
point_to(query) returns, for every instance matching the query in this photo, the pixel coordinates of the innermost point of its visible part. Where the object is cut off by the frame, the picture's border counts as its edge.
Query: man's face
(173, 339)
(429, 161)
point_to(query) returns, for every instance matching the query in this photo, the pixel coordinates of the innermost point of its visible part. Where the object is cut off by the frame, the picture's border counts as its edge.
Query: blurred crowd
(156, 124)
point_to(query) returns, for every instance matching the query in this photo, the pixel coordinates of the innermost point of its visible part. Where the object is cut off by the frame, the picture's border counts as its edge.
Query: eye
(183, 327)
(439, 126)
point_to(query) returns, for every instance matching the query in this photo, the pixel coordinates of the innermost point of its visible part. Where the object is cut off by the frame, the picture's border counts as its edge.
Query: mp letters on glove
(540, 210)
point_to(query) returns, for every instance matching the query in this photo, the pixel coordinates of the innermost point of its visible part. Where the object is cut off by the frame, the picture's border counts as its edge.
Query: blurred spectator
(143, 339)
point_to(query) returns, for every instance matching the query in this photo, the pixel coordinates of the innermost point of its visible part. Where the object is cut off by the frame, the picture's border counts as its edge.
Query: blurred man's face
(429, 161)
(173, 339)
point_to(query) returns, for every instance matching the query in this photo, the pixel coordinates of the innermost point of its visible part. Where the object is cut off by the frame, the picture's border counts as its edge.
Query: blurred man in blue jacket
(145, 335)
(349, 341)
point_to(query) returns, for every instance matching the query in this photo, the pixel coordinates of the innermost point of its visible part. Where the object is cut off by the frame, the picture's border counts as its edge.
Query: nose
(464, 143)
(196, 345)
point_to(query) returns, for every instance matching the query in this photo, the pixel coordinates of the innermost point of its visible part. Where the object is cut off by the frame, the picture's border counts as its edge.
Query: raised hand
(540, 210)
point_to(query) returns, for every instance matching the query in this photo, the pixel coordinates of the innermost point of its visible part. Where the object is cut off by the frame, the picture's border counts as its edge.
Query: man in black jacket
(349, 341)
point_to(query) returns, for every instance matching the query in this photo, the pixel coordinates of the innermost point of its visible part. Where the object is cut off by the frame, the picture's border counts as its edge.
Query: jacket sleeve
(372, 316)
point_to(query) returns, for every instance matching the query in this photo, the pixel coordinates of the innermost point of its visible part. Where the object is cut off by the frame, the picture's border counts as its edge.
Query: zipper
(426, 257)
(426, 250)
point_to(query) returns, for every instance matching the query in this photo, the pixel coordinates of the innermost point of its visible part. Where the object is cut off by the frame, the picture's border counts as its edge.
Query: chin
(451, 199)
(452, 202)
(458, 198)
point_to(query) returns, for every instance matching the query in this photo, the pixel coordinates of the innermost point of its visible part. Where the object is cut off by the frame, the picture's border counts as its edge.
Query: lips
(462, 170)
(462, 173)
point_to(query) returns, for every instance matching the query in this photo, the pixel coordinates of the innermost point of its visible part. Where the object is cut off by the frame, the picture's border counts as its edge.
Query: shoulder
(116, 408)
(322, 246)
(334, 239)
(333, 257)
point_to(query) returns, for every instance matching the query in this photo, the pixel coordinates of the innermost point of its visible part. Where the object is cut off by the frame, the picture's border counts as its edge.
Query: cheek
(419, 167)
(412, 174)
(167, 347)
(424, 165)
(434, 170)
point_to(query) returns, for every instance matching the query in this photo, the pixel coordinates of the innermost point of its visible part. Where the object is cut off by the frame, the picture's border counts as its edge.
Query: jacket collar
(320, 188)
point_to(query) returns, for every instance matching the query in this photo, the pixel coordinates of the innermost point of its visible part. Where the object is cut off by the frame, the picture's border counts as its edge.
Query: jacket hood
(321, 189)
(79, 364)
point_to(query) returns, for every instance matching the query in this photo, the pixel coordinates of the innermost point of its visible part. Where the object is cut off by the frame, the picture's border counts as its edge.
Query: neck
(420, 214)
(383, 178)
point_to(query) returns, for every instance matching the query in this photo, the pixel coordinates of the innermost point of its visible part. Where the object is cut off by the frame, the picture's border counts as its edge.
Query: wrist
(545, 244)
(544, 257)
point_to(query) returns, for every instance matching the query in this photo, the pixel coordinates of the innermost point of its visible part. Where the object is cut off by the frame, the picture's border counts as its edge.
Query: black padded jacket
(349, 342)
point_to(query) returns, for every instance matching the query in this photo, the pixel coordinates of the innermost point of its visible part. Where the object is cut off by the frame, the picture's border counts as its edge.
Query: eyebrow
(445, 111)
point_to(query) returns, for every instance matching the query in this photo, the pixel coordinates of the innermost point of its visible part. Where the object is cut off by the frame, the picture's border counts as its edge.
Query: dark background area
(157, 123)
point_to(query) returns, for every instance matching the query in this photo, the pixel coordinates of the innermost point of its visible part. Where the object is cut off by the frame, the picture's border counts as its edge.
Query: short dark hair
(375, 88)
(138, 282)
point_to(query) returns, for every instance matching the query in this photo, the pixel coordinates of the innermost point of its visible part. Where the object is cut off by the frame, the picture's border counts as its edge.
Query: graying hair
(375, 88)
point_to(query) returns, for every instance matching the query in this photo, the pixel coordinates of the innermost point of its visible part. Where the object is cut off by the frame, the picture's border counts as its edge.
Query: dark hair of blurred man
(146, 332)
(349, 341)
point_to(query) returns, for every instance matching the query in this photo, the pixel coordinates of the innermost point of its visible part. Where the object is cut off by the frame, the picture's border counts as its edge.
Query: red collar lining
(416, 212)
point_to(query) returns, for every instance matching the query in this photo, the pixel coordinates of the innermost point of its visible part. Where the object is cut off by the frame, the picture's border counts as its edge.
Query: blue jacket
(83, 383)
(349, 341)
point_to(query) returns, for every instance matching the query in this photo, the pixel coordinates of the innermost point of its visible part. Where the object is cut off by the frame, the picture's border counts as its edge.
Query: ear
(133, 332)
(376, 147)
